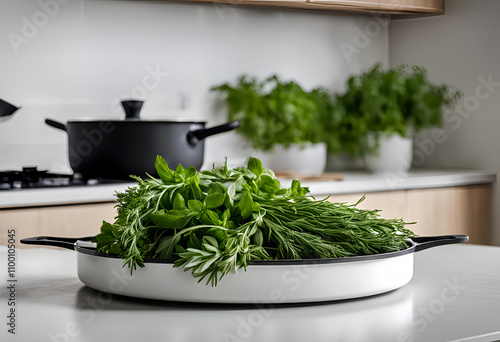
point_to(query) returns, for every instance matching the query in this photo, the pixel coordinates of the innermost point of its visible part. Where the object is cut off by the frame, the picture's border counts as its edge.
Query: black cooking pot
(6, 110)
(119, 148)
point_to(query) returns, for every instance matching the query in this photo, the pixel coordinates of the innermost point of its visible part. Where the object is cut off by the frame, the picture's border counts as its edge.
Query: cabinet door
(436, 6)
(387, 6)
(347, 5)
(65, 221)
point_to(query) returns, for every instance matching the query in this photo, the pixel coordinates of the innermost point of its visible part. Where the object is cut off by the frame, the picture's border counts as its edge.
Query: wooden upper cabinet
(402, 8)
(398, 9)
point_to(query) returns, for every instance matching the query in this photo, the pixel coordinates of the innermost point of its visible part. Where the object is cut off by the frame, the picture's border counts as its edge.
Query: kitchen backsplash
(72, 58)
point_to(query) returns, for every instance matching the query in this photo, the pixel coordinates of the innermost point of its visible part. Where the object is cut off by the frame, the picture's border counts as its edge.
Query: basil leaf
(173, 219)
(255, 165)
(245, 205)
(108, 229)
(297, 190)
(217, 233)
(190, 172)
(268, 184)
(195, 206)
(215, 200)
(166, 246)
(179, 202)
(258, 238)
(161, 166)
(195, 188)
(210, 240)
(217, 188)
(210, 217)
(179, 169)
(106, 240)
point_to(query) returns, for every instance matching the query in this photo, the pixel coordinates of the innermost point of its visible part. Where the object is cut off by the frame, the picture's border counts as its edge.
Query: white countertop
(356, 182)
(362, 182)
(454, 296)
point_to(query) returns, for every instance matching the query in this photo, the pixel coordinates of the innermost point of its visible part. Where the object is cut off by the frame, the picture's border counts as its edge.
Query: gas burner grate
(31, 177)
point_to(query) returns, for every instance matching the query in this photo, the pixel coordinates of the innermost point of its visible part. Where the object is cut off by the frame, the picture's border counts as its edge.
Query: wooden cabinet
(438, 211)
(65, 221)
(401, 7)
(395, 8)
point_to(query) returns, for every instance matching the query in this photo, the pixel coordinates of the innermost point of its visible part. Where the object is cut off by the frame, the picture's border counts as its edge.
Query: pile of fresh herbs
(218, 221)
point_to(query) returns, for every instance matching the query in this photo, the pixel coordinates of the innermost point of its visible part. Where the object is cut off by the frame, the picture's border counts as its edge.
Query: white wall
(73, 58)
(462, 48)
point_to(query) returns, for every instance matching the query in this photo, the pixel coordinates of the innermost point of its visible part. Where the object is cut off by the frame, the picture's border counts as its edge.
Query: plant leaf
(214, 200)
(179, 202)
(255, 165)
(173, 219)
(245, 205)
(161, 166)
(195, 206)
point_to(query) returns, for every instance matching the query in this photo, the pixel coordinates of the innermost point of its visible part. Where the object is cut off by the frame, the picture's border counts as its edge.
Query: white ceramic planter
(309, 159)
(344, 162)
(395, 155)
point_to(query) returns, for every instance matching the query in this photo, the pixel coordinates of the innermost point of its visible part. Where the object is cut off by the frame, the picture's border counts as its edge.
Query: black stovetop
(31, 177)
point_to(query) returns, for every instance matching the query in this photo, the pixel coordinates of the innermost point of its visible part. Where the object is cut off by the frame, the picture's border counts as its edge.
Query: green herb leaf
(268, 184)
(209, 217)
(255, 165)
(179, 202)
(190, 172)
(173, 219)
(245, 205)
(214, 200)
(195, 206)
(161, 166)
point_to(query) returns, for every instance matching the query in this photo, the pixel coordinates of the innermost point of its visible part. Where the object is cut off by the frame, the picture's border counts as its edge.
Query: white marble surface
(359, 182)
(64, 195)
(454, 296)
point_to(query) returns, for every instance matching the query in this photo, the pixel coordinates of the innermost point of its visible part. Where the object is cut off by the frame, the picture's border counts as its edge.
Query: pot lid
(172, 119)
(132, 110)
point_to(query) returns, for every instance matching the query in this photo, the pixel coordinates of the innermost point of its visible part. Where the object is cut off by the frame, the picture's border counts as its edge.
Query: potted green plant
(282, 120)
(380, 111)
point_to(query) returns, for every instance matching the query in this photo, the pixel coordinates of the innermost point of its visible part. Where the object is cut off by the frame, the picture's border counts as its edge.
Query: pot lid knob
(132, 108)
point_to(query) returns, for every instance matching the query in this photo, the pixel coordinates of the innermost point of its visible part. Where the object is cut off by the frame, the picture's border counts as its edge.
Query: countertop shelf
(353, 182)
(454, 296)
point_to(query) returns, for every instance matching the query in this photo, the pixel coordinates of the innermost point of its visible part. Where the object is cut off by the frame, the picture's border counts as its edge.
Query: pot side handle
(56, 124)
(424, 242)
(62, 242)
(194, 137)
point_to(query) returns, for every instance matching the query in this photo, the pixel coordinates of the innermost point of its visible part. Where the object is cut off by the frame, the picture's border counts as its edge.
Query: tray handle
(424, 242)
(62, 242)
